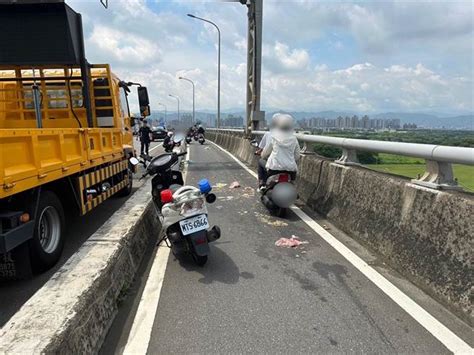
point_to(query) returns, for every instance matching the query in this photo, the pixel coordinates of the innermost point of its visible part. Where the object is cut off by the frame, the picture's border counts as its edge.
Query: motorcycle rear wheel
(199, 260)
(281, 212)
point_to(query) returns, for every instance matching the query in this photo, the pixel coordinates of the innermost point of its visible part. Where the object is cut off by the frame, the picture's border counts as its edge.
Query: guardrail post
(438, 175)
(305, 150)
(349, 157)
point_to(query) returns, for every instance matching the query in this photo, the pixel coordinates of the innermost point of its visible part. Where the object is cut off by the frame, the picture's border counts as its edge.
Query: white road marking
(140, 333)
(156, 146)
(418, 313)
(139, 337)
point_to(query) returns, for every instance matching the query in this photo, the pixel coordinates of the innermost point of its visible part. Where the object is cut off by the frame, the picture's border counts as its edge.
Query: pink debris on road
(292, 242)
(234, 185)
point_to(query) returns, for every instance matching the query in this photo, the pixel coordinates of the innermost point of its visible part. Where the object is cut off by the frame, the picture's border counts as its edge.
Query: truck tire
(47, 243)
(127, 190)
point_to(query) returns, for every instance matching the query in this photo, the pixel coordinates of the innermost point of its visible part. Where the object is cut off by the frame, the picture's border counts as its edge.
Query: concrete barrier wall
(73, 311)
(424, 234)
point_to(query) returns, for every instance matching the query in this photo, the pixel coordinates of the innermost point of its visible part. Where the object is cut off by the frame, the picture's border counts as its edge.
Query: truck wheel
(127, 190)
(48, 237)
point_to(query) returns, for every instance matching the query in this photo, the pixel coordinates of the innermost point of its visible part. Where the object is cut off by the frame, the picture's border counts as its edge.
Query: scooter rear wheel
(281, 212)
(199, 260)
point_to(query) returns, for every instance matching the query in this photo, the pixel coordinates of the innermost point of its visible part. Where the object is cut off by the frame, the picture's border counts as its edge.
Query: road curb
(73, 311)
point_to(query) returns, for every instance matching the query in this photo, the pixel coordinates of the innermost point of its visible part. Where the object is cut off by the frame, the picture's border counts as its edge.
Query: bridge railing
(439, 158)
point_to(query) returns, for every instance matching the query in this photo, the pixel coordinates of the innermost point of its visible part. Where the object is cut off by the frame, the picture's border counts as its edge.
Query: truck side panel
(32, 157)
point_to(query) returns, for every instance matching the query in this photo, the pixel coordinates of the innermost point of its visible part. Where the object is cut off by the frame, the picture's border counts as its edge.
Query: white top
(282, 151)
(265, 140)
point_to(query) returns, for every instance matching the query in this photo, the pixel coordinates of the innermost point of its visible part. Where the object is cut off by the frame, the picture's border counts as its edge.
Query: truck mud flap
(200, 243)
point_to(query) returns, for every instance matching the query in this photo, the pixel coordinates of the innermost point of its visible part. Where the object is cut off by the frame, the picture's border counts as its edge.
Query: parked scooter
(174, 143)
(201, 138)
(181, 209)
(279, 192)
(189, 138)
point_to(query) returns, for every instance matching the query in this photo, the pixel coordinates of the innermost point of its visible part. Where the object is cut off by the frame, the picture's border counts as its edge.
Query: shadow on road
(219, 268)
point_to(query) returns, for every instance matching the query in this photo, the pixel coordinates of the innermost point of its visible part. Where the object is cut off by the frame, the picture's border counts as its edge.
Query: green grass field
(464, 173)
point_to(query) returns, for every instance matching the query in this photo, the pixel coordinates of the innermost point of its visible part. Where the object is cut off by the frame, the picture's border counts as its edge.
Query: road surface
(13, 294)
(255, 297)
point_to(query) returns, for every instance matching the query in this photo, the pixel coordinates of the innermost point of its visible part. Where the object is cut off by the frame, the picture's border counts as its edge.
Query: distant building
(354, 122)
(187, 119)
(233, 121)
(210, 120)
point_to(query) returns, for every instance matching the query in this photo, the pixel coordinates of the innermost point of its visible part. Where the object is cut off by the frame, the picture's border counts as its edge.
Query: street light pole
(218, 66)
(159, 103)
(177, 98)
(192, 82)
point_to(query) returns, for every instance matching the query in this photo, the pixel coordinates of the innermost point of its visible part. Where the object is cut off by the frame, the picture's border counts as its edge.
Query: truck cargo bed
(32, 157)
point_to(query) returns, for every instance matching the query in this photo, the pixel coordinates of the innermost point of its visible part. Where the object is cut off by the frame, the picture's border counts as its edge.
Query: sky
(364, 56)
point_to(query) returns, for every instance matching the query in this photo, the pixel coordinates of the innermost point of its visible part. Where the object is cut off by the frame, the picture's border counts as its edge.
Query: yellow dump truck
(65, 142)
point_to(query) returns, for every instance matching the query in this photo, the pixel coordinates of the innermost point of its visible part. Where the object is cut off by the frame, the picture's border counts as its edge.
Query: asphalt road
(255, 297)
(13, 294)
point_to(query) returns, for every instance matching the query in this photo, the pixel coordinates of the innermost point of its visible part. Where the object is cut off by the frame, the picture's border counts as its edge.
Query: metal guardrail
(439, 158)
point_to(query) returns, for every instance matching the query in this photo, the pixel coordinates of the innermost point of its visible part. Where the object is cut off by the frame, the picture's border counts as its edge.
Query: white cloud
(365, 87)
(155, 46)
(127, 48)
(296, 59)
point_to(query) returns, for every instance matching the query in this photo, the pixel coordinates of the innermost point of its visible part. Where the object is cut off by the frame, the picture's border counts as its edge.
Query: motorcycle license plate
(194, 224)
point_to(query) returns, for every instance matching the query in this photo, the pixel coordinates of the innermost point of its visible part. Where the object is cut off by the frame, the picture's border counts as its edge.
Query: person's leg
(147, 148)
(262, 172)
(142, 147)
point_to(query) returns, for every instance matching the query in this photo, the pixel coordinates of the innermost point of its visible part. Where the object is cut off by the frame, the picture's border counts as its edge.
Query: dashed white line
(140, 333)
(418, 313)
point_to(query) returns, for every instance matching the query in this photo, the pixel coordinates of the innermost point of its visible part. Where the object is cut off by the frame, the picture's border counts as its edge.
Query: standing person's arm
(267, 150)
(262, 144)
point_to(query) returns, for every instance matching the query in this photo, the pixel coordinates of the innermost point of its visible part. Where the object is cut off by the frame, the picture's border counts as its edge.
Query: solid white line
(418, 313)
(156, 146)
(140, 333)
(139, 337)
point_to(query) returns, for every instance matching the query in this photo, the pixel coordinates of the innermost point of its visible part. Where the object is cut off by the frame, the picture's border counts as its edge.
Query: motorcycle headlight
(193, 207)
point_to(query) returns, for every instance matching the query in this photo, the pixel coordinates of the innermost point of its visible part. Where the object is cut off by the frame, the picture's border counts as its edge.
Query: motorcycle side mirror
(211, 198)
(134, 161)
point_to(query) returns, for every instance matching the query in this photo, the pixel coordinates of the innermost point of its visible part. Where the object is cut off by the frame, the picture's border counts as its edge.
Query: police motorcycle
(181, 208)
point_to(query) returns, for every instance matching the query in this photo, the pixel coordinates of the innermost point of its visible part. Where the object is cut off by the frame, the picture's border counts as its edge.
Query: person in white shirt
(262, 171)
(282, 151)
